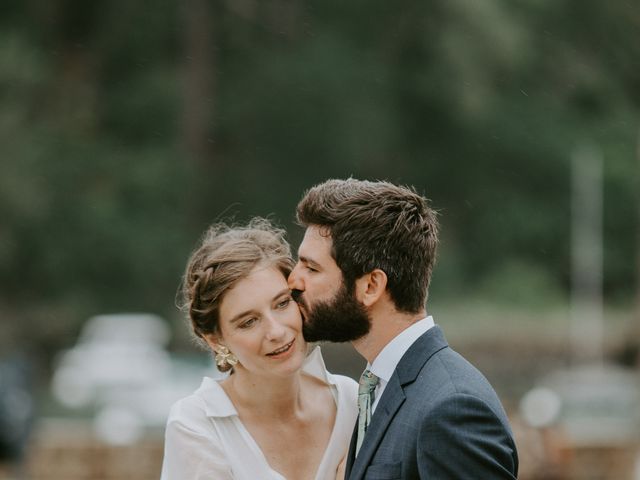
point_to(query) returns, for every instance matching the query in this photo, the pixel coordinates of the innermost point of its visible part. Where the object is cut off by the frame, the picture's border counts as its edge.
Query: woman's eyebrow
(238, 316)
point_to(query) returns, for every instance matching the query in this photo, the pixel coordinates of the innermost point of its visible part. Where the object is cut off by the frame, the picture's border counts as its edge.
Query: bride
(278, 414)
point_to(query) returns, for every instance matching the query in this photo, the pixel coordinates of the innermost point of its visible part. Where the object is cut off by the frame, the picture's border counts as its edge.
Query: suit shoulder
(448, 376)
(455, 368)
(448, 373)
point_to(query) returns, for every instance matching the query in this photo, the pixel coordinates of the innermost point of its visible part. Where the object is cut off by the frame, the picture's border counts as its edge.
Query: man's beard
(341, 319)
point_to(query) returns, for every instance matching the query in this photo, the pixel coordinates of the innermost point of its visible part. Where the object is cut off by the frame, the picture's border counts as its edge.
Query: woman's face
(261, 324)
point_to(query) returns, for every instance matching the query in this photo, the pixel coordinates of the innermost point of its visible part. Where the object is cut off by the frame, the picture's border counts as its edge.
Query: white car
(121, 370)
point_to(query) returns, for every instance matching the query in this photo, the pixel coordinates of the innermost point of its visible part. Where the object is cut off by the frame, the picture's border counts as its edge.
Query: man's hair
(377, 225)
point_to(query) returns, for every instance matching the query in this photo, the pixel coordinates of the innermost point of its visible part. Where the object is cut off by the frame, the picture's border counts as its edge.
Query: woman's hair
(226, 255)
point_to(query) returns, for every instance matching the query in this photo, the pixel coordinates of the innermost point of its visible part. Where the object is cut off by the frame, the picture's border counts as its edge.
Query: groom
(362, 276)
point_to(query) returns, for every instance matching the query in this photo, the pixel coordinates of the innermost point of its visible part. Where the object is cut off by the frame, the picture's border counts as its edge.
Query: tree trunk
(199, 80)
(637, 312)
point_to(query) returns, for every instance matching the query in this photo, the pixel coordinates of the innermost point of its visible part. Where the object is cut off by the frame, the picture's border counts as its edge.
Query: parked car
(121, 372)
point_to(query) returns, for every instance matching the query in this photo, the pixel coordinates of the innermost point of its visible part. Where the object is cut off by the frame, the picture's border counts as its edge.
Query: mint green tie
(366, 389)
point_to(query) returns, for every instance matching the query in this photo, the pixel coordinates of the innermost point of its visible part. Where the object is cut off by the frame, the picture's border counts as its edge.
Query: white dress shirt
(389, 357)
(205, 438)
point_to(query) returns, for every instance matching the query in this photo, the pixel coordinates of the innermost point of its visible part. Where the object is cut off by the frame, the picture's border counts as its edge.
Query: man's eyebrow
(304, 259)
(237, 317)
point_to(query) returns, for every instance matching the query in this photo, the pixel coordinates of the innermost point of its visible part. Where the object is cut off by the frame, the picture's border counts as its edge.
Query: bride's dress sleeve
(193, 451)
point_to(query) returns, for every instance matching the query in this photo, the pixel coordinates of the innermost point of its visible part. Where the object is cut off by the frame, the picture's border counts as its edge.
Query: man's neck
(386, 324)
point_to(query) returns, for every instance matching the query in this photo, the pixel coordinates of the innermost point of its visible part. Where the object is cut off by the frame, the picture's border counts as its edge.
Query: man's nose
(295, 279)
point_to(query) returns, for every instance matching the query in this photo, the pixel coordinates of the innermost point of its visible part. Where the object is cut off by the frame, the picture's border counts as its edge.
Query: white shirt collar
(389, 357)
(218, 404)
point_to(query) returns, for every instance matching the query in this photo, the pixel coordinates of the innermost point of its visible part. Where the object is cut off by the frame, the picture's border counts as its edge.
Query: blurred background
(128, 126)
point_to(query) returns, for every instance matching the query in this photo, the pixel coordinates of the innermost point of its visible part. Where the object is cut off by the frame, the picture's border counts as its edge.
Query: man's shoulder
(449, 364)
(448, 374)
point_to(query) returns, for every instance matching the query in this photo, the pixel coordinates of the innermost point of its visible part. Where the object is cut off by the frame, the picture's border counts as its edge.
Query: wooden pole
(587, 327)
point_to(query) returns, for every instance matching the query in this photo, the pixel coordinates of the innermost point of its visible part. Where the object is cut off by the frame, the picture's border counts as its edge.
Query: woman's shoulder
(347, 389)
(208, 401)
(315, 366)
(188, 409)
(344, 382)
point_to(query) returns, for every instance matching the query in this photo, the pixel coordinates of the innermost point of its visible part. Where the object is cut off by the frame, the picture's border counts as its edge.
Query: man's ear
(371, 287)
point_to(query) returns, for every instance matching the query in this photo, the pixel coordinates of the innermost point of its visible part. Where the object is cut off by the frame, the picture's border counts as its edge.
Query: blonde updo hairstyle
(226, 255)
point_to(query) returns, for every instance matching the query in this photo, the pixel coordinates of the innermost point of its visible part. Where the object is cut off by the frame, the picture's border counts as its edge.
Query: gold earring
(225, 360)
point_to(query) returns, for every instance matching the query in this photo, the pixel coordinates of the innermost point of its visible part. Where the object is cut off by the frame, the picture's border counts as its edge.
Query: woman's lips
(282, 350)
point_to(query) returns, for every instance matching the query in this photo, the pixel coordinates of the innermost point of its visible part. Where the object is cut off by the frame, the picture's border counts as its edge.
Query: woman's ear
(225, 360)
(214, 341)
(371, 287)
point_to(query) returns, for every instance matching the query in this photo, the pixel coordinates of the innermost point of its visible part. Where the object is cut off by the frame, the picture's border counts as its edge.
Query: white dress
(205, 438)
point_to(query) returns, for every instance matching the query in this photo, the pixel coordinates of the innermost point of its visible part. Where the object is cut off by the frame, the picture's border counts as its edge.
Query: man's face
(329, 309)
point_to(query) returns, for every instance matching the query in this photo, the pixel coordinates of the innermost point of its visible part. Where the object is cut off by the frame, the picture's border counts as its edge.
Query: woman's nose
(275, 329)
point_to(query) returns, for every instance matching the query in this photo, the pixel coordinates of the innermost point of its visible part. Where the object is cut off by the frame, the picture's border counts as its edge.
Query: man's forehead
(318, 232)
(316, 240)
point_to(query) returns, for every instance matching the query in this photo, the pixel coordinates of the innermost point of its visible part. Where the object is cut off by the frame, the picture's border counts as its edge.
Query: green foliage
(477, 104)
(516, 283)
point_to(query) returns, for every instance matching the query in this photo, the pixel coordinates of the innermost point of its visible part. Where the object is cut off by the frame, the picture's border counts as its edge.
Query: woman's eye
(248, 322)
(311, 269)
(284, 303)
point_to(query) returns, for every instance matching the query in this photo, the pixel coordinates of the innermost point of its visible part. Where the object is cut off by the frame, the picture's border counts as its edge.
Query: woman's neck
(277, 397)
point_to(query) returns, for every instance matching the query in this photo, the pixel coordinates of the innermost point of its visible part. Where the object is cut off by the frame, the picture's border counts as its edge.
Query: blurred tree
(127, 127)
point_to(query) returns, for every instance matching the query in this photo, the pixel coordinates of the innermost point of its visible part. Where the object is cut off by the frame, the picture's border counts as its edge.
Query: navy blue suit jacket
(438, 418)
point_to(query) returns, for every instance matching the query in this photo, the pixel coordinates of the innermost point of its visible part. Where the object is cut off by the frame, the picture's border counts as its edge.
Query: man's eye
(311, 269)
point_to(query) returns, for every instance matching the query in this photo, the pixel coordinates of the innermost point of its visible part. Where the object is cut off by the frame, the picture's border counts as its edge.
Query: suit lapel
(352, 450)
(392, 398)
